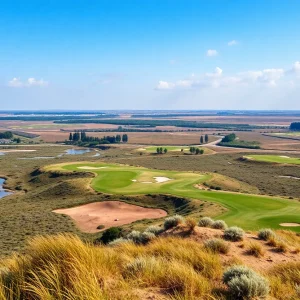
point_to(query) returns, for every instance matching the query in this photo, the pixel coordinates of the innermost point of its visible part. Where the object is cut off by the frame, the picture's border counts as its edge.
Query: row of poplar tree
(80, 136)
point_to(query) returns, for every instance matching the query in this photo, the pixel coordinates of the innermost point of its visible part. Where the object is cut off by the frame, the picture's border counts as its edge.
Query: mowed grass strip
(184, 148)
(251, 212)
(279, 159)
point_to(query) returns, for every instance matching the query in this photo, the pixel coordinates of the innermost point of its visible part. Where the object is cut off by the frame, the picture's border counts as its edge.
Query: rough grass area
(63, 267)
(247, 211)
(278, 159)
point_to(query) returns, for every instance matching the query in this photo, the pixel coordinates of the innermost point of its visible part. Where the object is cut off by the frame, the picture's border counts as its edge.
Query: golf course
(251, 212)
(275, 159)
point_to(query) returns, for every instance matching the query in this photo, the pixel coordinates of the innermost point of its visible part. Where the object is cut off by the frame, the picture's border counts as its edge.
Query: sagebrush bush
(205, 222)
(154, 229)
(265, 234)
(217, 246)
(219, 224)
(118, 242)
(234, 234)
(173, 221)
(236, 271)
(244, 283)
(244, 287)
(140, 238)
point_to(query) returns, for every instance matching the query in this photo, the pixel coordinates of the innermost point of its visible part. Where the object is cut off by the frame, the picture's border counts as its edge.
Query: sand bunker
(109, 213)
(146, 182)
(91, 168)
(17, 150)
(161, 179)
(289, 224)
(283, 156)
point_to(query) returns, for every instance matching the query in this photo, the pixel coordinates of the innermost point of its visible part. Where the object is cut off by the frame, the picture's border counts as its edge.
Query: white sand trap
(161, 179)
(91, 168)
(88, 217)
(146, 182)
(283, 156)
(17, 150)
(289, 224)
(134, 180)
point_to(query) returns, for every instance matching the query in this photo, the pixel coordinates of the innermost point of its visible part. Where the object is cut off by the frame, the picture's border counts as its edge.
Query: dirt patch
(289, 224)
(108, 213)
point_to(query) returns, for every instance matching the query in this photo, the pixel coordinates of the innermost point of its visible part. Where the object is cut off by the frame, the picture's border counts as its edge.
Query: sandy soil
(109, 213)
(239, 250)
(16, 150)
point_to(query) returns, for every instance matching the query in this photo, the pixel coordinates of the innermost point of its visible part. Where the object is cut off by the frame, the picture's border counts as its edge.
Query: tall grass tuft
(206, 222)
(173, 221)
(265, 234)
(217, 246)
(234, 234)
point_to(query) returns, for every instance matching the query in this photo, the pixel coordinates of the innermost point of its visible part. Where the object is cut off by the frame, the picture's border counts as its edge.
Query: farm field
(247, 211)
(279, 159)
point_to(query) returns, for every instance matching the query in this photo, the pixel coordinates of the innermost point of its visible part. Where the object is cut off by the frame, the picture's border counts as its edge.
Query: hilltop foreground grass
(63, 267)
(248, 211)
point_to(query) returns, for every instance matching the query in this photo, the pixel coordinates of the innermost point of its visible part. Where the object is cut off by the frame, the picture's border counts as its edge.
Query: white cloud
(232, 43)
(30, 82)
(296, 66)
(164, 85)
(211, 53)
(261, 78)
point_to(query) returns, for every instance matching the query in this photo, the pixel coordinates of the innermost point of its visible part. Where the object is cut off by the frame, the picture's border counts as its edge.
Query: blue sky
(149, 54)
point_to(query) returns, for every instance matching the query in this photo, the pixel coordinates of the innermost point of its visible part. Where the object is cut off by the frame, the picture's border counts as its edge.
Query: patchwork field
(279, 159)
(248, 211)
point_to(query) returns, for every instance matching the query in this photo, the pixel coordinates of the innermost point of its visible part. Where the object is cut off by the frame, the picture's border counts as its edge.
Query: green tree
(157, 150)
(71, 137)
(118, 138)
(197, 151)
(201, 140)
(124, 138)
(201, 151)
(206, 138)
(160, 150)
(165, 150)
(109, 235)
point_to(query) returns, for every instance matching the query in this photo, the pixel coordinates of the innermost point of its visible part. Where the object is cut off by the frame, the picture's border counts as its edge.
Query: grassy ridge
(247, 211)
(275, 159)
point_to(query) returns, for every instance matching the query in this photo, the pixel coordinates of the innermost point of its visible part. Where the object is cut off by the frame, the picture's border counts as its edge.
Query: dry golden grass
(255, 249)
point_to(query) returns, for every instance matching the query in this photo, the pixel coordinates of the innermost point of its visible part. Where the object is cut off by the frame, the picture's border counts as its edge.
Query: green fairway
(169, 148)
(275, 159)
(248, 211)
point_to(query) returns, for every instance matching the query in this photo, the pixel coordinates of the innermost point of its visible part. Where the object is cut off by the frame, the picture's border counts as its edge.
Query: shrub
(265, 234)
(245, 287)
(281, 246)
(109, 235)
(173, 221)
(191, 224)
(236, 271)
(219, 224)
(206, 222)
(156, 230)
(217, 246)
(100, 227)
(244, 283)
(256, 250)
(118, 242)
(234, 234)
(140, 238)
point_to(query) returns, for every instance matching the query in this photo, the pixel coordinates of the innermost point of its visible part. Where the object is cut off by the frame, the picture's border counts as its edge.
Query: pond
(3, 193)
(77, 151)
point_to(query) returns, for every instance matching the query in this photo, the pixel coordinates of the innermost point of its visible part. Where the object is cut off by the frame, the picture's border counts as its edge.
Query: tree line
(295, 126)
(195, 150)
(202, 139)
(80, 137)
(6, 135)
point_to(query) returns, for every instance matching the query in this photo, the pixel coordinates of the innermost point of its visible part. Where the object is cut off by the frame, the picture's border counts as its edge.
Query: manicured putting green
(248, 211)
(275, 159)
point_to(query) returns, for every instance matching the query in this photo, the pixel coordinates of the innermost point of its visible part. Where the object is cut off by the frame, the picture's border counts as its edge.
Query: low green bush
(244, 283)
(205, 222)
(156, 230)
(140, 238)
(173, 221)
(234, 234)
(109, 235)
(265, 234)
(219, 224)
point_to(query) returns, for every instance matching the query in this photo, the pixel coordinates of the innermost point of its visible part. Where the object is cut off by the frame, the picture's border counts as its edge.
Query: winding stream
(3, 193)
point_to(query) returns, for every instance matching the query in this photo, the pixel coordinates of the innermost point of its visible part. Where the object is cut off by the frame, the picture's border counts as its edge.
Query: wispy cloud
(211, 52)
(30, 82)
(232, 43)
(264, 78)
